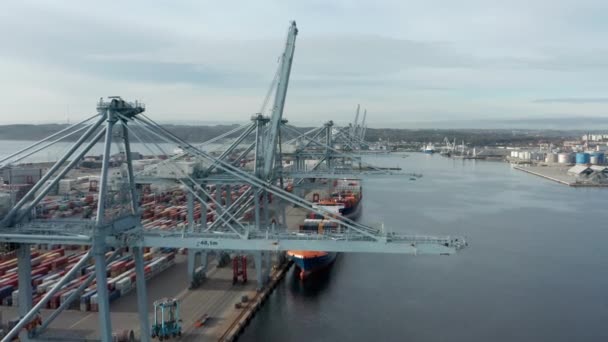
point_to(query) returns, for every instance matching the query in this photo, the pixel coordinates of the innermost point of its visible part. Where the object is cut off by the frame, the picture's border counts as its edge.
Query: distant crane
(449, 147)
(363, 126)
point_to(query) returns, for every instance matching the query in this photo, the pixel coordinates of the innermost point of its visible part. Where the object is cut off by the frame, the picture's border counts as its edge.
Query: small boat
(429, 149)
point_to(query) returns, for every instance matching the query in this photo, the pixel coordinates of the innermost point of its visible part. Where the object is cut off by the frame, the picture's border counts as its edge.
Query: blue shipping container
(6, 291)
(114, 295)
(86, 298)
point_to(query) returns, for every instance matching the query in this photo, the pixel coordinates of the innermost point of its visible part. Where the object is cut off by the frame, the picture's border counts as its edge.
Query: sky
(407, 62)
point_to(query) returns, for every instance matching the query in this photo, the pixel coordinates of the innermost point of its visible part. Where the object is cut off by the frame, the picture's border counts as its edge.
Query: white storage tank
(564, 158)
(524, 155)
(537, 156)
(551, 158)
(514, 154)
(593, 160)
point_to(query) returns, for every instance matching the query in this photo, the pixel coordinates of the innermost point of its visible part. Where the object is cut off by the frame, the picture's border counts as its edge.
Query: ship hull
(309, 264)
(353, 212)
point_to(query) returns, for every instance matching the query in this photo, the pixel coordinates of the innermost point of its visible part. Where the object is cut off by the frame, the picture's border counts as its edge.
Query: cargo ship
(344, 201)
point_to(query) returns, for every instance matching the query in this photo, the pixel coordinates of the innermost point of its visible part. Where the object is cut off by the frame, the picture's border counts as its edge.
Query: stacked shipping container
(50, 266)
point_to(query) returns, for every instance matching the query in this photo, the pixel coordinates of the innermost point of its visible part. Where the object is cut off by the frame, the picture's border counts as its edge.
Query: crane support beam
(26, 149)
(234, 145)
(431, 245)
(14, 211)
(24, 155)
(24, 269)
(265, 239)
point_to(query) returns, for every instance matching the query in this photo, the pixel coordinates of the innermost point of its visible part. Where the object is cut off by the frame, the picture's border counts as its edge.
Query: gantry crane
(117, 221)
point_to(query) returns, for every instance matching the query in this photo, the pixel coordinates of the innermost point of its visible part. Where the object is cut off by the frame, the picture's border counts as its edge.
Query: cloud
(204, 59)
(580, 100)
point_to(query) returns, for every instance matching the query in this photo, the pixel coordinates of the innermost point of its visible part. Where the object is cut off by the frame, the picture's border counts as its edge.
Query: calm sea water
(535, 270)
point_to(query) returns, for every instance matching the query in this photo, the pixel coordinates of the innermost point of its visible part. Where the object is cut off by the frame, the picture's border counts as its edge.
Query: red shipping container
(54, 302)
(37, 261)
(59, 262)
(119, 265)
(61, 251)
(8, 265)
(42, 270)
(48, 264)
(13, 281)
(9, 262)
(75, 257)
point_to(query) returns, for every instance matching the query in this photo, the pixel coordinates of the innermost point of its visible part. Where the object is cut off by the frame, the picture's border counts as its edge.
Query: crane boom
(279, 100)
(354, 127)
(362, 126)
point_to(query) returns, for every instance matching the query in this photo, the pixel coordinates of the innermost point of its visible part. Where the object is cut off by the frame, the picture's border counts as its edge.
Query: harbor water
(535, 269)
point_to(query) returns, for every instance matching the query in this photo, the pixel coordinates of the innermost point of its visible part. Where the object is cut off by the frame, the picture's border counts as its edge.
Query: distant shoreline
(197, 134)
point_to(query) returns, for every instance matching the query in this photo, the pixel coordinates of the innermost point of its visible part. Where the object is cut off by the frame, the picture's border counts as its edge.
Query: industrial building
(21, 175)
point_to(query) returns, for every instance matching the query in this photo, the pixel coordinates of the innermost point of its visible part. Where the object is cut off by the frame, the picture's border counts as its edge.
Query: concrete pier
(557, 174)
(250, 308)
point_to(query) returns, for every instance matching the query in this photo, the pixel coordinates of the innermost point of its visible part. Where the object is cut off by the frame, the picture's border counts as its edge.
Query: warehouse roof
(599, 168)
(580, 169)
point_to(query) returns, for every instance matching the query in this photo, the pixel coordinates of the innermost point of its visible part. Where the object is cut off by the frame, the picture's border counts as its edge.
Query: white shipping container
(123, 283)
(126, 289)
(15, 296)
(65, 185)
